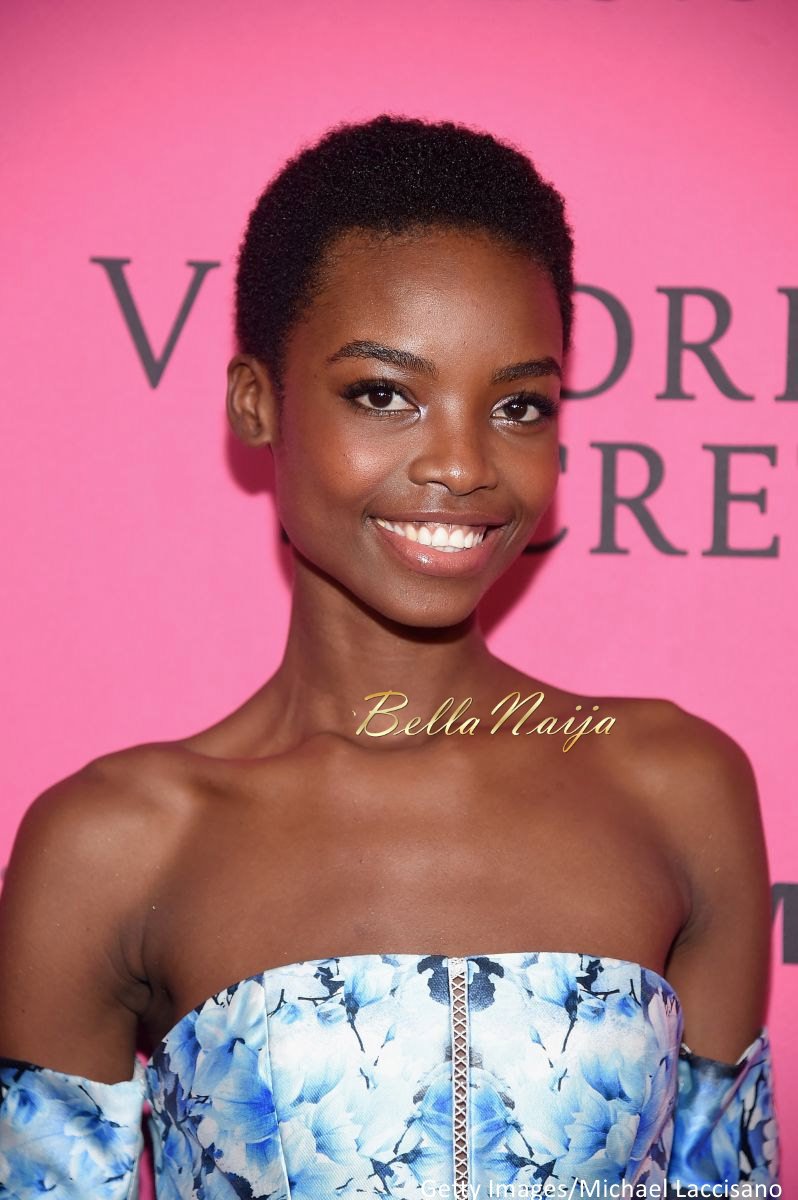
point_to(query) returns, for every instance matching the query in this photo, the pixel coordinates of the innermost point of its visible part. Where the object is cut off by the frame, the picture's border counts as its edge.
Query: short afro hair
(390, 174)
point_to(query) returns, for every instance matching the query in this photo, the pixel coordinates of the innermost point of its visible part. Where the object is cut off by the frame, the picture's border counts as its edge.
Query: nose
(453, 450)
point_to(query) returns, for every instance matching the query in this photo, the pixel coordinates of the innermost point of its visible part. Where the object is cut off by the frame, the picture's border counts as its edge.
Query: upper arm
(65, 908)
(720, 962)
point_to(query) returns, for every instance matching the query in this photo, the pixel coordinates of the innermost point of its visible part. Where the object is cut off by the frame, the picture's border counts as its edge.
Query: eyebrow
(423, 366)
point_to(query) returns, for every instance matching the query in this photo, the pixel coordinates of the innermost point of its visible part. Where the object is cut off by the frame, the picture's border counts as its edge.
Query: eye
(378, 397)
(517, 409)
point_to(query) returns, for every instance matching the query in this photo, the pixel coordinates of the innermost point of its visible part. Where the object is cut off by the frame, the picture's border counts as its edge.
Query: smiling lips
(449, 538)
(439, 548)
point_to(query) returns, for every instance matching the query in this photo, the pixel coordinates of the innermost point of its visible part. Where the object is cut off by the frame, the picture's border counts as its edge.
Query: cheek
(533, 473)
(368, 461)
(351, 455)
(325, 467)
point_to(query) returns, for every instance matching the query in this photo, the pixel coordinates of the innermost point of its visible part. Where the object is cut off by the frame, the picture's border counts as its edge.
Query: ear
(252, 403)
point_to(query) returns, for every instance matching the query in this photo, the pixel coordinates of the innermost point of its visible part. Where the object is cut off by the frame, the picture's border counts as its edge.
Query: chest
(456, 850)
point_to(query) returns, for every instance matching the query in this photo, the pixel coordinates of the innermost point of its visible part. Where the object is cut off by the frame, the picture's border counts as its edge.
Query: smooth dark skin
(154, 877)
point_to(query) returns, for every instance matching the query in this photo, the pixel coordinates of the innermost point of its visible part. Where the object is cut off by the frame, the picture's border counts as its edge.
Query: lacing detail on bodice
(458, 992)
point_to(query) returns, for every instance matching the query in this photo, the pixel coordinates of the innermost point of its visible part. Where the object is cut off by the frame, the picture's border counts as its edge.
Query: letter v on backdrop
(153, 367)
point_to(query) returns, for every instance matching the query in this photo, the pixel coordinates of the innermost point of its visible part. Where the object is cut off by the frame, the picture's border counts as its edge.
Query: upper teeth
(442, 537)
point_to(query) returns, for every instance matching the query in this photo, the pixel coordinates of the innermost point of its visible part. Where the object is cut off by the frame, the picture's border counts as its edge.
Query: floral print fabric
(63, 1136)
(333, 1078)
(725, 1122)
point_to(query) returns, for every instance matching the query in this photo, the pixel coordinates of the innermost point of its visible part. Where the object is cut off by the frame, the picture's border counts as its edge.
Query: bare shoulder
(97, 809)
(72, 909)
(701, 784)
(698, 782)
(683, 761)
(685, 767)
(692, 786)
(106, 830)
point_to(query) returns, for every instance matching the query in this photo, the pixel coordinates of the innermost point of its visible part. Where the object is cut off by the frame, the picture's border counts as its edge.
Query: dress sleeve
(66, 1137)
(725, 1127)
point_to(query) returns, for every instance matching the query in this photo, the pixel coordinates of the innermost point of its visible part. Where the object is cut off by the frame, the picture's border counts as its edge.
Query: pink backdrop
(144, 591)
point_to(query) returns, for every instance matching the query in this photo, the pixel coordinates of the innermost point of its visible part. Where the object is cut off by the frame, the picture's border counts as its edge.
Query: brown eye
(376, 397)
(528, 409)
(517, 409)
(380, 397)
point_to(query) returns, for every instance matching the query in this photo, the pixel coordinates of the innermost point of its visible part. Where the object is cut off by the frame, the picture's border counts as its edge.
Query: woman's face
(407, 392)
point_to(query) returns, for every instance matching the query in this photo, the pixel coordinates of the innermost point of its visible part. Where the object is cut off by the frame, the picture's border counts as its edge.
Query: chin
(427, 615)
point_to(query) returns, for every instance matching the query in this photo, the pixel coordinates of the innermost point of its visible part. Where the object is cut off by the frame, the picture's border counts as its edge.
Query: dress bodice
(404, 1075)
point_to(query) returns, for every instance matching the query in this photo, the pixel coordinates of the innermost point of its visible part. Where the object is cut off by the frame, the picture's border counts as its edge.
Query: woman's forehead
(433, 285)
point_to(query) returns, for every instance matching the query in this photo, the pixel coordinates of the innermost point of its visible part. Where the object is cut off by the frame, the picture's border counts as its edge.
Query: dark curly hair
(389, 174)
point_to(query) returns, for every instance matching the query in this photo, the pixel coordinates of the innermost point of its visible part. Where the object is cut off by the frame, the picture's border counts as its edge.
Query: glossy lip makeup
(434, 560)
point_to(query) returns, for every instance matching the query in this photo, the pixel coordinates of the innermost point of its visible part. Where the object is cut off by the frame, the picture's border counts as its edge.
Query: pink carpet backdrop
(145, 591)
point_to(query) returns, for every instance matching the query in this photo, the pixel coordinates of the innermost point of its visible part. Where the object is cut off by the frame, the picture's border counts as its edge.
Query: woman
(371, 960)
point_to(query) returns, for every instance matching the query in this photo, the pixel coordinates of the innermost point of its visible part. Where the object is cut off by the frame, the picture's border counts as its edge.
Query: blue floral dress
(404, 1075)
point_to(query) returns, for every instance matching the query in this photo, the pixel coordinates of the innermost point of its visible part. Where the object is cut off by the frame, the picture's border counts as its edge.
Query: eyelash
(547, 407)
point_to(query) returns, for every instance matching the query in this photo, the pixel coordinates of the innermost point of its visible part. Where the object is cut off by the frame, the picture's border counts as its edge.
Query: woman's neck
(339, 652)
